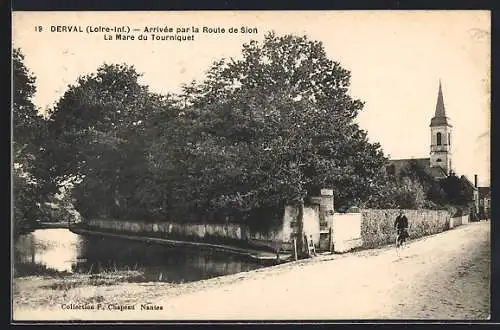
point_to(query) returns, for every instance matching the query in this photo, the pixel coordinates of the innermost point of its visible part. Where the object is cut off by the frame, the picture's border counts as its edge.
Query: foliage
(25, 209)
(24, 111)
(405, 193)
(59, 209)
(274, 126)
(432, 187)
(414, 187)
(99, 141)
(28, 134)
(457, 190)
(258, 132)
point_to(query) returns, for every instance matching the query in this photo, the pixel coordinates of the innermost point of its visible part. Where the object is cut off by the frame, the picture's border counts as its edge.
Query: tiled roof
(484, 192)
(436, 172)
(469, 182)
(403, 162)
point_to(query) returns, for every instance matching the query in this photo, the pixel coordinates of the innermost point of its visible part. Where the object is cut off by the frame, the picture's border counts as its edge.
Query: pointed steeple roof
(440, 118)
(440, 111)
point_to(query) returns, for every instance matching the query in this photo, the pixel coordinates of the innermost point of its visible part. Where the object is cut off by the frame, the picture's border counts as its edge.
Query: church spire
(440, 112)
(440, 115)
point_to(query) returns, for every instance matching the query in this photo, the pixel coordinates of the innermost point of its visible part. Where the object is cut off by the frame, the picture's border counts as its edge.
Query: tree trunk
(300, 230)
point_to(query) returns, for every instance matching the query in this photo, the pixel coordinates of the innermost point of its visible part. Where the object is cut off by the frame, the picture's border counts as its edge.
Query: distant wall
(230, 230)
(377, 226)
(280, 237)
(272, 239)
(460, 220)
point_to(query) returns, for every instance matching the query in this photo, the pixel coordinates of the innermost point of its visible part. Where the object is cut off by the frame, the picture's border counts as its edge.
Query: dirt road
(445, 276)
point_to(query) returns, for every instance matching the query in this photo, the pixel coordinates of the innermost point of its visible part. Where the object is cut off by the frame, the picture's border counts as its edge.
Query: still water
(64, 251)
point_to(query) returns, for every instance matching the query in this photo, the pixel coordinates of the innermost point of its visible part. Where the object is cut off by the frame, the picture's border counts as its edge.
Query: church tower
(441, 138)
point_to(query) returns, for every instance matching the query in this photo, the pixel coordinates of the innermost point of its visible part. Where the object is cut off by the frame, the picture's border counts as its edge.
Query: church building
(439, 163)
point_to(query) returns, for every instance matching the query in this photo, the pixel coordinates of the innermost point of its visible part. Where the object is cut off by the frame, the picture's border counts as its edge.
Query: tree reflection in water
(62, 250)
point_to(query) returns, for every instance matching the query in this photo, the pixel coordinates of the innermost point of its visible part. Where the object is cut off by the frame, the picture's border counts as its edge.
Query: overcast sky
(396, 60)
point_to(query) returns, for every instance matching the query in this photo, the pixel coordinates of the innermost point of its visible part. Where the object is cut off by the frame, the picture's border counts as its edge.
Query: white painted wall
(346, 231)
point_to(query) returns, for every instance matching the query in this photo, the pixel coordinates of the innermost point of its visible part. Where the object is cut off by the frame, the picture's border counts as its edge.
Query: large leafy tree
(25, 117)
(28, 133)
(285, 107)
(99, 140)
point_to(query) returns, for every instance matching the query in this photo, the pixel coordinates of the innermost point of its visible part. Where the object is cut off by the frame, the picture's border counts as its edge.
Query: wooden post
(295, 249)
(300, 229)
(306, 244)
(277, 247)
(331, 247)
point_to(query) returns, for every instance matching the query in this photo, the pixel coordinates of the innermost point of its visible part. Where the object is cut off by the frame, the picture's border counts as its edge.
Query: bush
(405, 193)
(458, 210)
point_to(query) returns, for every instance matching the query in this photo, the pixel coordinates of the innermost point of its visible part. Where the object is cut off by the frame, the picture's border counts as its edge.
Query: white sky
(396, 60)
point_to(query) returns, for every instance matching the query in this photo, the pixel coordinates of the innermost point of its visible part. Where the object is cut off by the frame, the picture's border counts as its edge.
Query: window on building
(449, 139)
(438, 160)
(438, 138)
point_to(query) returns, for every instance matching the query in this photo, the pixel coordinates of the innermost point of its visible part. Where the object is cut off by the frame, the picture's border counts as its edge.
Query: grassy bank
(29, 269)
(50, 291)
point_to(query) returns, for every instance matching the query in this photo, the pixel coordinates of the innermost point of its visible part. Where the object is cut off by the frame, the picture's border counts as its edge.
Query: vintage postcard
(251, 165)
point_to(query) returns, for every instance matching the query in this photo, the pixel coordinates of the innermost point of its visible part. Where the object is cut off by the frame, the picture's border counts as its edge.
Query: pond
(60, 250)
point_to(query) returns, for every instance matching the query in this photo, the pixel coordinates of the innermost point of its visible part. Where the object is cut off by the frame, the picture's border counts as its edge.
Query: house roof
(484, 192)
(400, 163)
(437, 172)
(469, 182)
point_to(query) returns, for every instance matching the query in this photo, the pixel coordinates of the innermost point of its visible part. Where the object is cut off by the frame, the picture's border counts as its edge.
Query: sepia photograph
(251, 165)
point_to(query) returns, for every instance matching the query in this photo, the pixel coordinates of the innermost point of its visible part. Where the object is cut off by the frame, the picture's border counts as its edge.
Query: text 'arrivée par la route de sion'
(155, 33)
